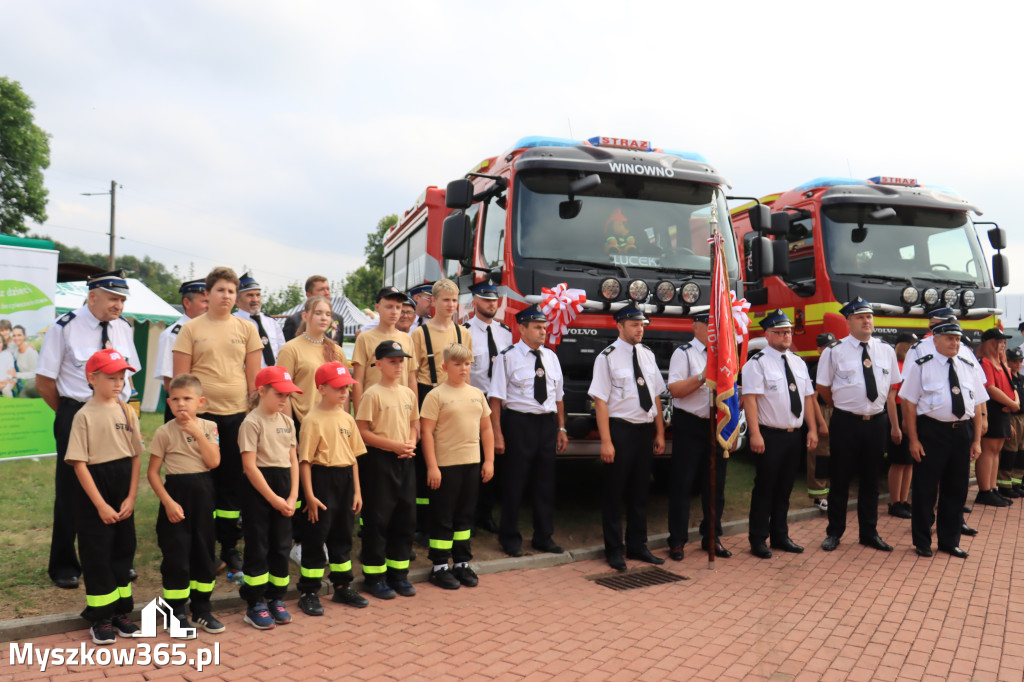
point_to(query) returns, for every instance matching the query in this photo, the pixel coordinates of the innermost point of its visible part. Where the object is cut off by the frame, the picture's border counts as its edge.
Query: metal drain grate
(636, 577)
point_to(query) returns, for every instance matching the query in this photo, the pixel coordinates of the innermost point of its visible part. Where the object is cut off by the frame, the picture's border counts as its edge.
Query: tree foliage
(24, 153)
(277, 302)
(363, 283)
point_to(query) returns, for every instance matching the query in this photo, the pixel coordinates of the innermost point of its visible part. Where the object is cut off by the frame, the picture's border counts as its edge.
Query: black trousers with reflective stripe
(106, 550)
(773, 482)
(228, 478)
(422, 491)
(451, 510)
(188, 545)
(63, 557)
(942, 474)
(268, 536)
(629, 476)
(388, 486)
(335, 487)
(857, 449)
(530, 442)
(691, 453)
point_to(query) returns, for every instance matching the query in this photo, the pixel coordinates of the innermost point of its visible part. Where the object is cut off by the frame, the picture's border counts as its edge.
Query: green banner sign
(16, 296)
(26, 428)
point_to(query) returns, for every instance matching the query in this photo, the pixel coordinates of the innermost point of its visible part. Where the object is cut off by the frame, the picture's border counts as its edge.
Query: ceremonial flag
(723, 362)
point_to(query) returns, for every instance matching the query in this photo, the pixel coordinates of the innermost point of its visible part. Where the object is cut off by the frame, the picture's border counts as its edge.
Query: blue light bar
(541, 141)
(829, 181)
(689, 156)
(944, 190)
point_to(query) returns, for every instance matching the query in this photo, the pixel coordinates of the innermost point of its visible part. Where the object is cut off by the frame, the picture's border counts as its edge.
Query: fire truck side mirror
(780, 224)
(780, 257)
(459, 194)
(760, 218)
(457, 237)
(997, 238)
(763, 260)
(1000, 270)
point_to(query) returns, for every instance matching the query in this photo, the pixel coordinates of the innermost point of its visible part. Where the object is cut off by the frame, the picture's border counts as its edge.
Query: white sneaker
(821, 503)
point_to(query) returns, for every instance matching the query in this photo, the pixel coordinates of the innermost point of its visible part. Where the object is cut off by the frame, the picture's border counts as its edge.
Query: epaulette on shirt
(175, 329)
(834, 343)
(505, 350)
(685, 346)
(504, 326)
(916, 344)
(924, 359)
(65, 319)
(466, 325)
(967, 362)
(757, 355)
(608, 351)
(647, 347)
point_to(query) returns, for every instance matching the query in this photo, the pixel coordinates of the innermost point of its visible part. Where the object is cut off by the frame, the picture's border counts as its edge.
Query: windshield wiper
(888, 278)
(936, 278)
(593, 264)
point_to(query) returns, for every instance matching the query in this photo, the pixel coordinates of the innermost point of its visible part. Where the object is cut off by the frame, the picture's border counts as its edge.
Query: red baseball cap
(334, 374)
(278, 379)
(107, 361)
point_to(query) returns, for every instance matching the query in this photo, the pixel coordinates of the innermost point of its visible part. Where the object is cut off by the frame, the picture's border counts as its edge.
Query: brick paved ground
(853, 614)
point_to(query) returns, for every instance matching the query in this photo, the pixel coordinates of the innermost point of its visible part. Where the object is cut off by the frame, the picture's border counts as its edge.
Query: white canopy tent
(353, 316)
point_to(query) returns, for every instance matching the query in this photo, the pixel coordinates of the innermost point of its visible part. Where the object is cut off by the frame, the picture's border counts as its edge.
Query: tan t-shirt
(179, 450)
(366, 344)
(218, 350)
(102, 433)
(301, 358)
(271, 438)
(389, 411)
(458, 412)
(330, 438)
(438, 340)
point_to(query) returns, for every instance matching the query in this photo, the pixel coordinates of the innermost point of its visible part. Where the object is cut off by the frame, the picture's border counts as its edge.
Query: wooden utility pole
(113, 196)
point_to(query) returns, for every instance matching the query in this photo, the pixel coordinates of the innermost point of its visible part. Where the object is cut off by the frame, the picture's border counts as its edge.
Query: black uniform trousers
(228, 479)
(530, 443)
(488, 493)
(389, 513)
(422, 491)
(941, 474)
(628, 476)
(451, 511)
(335, 487)
(299, 520)
(188, 570)
(691, 444)
(63, 557)
(773, 483)
(106, 550)
(858, 446)
(268, 539)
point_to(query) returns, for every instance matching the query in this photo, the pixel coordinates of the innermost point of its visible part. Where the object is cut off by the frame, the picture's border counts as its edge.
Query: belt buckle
(866, 417)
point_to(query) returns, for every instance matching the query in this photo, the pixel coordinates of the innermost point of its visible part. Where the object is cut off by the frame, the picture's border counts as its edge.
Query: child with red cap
(104, 448)
(267, 442)
(328, 447)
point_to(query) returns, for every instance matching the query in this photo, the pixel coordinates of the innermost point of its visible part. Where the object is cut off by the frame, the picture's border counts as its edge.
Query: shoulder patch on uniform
(175, 329)
(504, 326)
(466, 325)
(686, 346)
(967, 362)
(757, 355)
(924, 359)
(505, 350)
(121, 319)
(65, 319)
(834, 343)
(645, 346)
(608, 350)
(916, 344)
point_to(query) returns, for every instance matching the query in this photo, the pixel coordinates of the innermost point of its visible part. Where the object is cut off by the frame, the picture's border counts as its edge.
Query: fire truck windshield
(922, 243)
(627, 220)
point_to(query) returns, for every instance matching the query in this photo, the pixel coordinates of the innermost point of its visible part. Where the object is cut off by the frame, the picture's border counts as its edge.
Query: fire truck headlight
(950, 297)
(967, 298)
(665, 291)
(610, 289)
(930, 296)
(638, 290)
(910, 295)
(689, 293)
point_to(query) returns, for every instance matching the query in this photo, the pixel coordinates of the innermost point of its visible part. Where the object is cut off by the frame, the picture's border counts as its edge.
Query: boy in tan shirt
(188, 448)
(454, 422)
(365, 371)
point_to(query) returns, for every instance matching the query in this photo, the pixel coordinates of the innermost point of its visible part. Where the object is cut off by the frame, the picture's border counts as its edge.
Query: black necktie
(492, 352)
(869, 373)
(794, 395)
(104, 338)
(954, 389)
(641, 384)
(268, 352)
(540, 380)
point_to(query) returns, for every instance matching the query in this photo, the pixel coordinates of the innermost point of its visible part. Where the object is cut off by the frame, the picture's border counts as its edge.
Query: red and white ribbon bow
(740, 308)
(561, 305)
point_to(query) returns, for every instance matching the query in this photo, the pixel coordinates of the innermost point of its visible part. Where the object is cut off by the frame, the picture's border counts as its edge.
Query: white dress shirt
(841, 367)
(765, 377)
(273, 330)
(613, 381)
(926, 346)
(515, 373)
(69, 344)
(689, 360)
(481, 359)
(163, 368)
(926, 384)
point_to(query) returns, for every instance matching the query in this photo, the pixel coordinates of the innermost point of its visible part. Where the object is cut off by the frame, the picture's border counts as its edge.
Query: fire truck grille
(636, 577)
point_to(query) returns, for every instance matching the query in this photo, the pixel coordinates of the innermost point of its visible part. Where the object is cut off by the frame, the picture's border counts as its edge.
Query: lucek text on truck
(616, 218)
(905, 247)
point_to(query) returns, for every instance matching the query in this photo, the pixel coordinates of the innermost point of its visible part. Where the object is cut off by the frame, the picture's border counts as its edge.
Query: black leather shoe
(954, 551)
(830, 543)
(900, 511)
(513, 551)
(876, 542)
(760, 550)
(967, 530)
(787, 545)
(923, 551)
(69, 583)
(132, 575)
(720, 550)
(616, 561)
(487, 523)
(966, 509)
(550, 547)
(645, 555)
(675, 553)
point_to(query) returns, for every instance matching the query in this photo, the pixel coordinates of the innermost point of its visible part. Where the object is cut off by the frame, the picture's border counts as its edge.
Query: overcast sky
(274, 135)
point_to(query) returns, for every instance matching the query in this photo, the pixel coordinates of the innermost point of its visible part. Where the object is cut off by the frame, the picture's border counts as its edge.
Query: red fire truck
(616, 218)
(905, 247)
